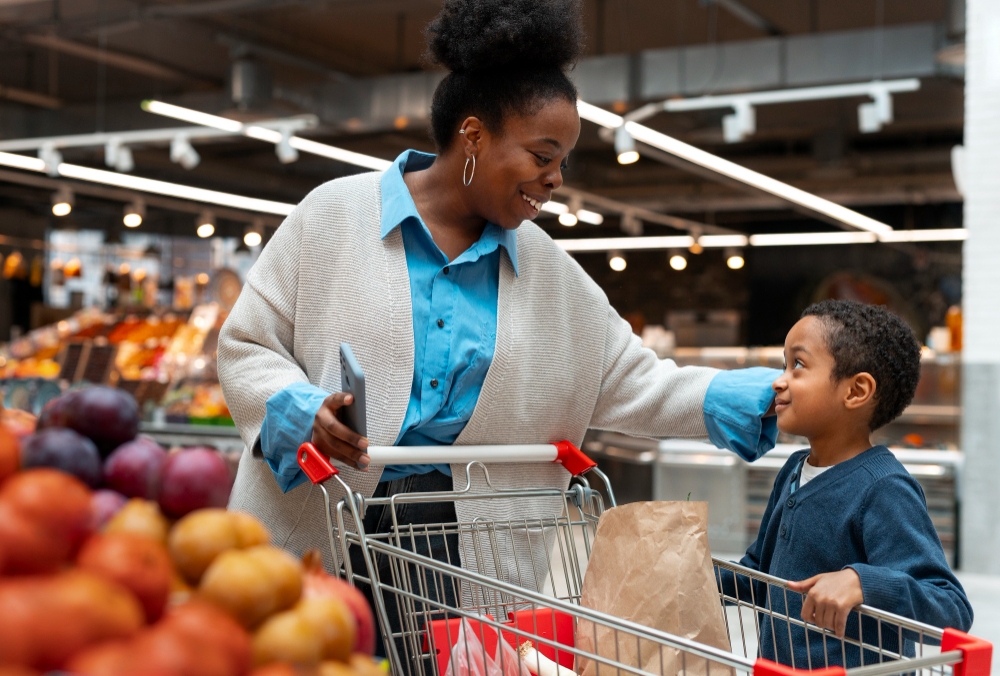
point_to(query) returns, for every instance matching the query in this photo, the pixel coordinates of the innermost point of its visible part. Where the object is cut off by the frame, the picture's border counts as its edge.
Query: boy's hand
(830, 598)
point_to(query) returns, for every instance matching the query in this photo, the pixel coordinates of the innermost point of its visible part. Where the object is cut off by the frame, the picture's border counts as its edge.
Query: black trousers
(439, 547)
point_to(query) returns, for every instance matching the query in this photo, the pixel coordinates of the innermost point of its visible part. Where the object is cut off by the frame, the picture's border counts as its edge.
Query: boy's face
(808, 400)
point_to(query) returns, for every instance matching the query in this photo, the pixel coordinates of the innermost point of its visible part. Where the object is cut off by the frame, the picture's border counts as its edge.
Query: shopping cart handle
(319, 468)
(316, 465)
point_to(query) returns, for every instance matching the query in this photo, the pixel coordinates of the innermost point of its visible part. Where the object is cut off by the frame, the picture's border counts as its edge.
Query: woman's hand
(830, 597)
(335, 439)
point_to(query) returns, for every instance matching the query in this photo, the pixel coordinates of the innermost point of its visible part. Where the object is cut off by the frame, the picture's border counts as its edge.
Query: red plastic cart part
(443, 634)
(977, 654)
(541, 623)
(316, 465)
(573, 459)
(764, 667)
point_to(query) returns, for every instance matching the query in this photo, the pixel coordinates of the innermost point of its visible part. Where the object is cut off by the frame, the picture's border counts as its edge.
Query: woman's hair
(506, 57)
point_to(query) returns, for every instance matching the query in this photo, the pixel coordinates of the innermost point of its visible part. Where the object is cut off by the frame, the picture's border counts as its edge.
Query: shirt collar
(398, 206)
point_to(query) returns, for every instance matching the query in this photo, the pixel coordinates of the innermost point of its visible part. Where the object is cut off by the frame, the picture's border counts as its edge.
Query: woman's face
(518, 168)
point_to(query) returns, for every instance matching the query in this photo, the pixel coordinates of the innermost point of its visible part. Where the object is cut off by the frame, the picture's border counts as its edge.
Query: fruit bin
(527, 599)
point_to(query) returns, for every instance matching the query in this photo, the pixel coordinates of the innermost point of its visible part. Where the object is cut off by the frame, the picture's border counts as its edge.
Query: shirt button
(784, 529)
(446, 269)
(440, 323)
(434, 382)
(791, 502)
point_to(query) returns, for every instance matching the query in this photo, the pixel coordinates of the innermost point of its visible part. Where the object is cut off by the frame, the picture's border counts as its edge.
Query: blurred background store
(149, 149)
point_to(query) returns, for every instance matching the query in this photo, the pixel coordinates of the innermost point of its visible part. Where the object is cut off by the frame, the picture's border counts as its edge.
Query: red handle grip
(572, 458)
(316, 465)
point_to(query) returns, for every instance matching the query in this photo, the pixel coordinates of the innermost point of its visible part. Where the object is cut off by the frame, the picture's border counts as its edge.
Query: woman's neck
(440, 198)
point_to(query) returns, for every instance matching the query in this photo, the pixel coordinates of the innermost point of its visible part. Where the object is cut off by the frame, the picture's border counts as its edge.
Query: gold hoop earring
(468, 181)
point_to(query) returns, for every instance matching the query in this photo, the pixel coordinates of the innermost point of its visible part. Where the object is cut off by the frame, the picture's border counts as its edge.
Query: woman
(471, 325)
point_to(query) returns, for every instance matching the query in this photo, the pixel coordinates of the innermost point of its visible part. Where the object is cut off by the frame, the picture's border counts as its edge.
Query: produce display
(159, 350)
(104, 583)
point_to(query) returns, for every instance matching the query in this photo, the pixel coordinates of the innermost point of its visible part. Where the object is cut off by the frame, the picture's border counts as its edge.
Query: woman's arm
(649, 397)
(256, 344)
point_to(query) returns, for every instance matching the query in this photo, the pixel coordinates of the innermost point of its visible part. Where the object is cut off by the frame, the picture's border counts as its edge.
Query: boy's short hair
(870, 339)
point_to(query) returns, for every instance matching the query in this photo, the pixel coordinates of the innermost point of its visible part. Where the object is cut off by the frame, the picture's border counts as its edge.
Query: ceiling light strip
(943, 235)
(625, 243)
(811, 238)
(731, 170)
(174, 190)
(266, 135)
(149, 185)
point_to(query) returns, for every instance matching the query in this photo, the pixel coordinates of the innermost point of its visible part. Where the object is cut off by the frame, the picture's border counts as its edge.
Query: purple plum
(65, 450)
(134, 468)
(107, 416)
(194, 479)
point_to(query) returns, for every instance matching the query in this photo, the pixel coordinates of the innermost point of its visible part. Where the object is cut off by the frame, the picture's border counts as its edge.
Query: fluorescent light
(722, 241)
(598, 116)
(267, 135)
(339, 154)
(752, 178)
(263, 134)
(625, 243)
(22, 162)
(678, 262)
(588, 216)
(730, 169)
(943, 235)
(174, 190)
(192, 116)
(807, 238)
(557, 208)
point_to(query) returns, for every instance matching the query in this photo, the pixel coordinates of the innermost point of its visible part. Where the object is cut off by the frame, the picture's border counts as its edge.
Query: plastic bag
(469, 657)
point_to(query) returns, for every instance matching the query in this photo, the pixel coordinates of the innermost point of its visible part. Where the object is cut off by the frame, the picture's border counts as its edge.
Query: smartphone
(352, 380)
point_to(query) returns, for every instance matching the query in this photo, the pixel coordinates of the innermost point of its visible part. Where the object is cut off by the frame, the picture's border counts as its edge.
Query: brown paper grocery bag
(651, 564)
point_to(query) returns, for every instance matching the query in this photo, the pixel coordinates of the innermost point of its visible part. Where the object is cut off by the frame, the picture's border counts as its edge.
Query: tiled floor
(984, 593)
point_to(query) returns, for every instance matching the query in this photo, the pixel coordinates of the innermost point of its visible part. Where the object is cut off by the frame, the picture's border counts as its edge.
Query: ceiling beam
(29, 98)
(115, 59)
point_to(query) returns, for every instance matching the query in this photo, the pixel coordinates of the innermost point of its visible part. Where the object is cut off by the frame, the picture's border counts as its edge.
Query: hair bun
(470, 35)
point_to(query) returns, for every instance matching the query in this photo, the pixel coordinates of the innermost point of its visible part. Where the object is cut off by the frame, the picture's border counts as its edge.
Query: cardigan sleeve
(644, 396)
(906, 572)
(256, 344)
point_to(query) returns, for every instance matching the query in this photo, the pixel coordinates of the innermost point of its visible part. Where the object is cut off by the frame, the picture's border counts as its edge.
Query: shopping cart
(422, 602)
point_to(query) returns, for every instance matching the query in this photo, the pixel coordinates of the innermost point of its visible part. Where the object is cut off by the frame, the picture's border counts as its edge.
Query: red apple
(192, 479)
(134, 468)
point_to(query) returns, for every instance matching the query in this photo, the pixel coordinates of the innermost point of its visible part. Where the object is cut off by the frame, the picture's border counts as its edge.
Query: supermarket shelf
(173, 434)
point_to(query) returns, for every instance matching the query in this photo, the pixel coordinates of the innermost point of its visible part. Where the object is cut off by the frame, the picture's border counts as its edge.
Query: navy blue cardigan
(866, 513)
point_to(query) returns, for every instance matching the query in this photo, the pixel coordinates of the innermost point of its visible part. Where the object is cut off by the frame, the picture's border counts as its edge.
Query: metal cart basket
(421, 602)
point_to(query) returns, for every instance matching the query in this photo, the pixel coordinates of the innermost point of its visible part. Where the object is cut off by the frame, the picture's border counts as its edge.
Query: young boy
(845, 520)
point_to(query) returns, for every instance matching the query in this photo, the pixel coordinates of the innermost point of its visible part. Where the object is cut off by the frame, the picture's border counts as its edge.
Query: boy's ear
(861, 391)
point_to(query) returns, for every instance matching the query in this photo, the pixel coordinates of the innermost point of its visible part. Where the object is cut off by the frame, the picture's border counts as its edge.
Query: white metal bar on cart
(425, 455)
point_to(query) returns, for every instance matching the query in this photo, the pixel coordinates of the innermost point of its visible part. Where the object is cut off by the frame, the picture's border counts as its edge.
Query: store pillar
(980, 438)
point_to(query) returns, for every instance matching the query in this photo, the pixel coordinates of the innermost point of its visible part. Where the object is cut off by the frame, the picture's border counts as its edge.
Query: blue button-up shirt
(454, 337)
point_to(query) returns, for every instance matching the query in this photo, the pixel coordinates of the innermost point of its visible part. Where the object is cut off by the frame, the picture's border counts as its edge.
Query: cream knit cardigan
(564, 361)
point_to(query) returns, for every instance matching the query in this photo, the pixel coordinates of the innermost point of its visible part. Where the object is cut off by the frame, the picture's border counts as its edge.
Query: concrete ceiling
(92, 61)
